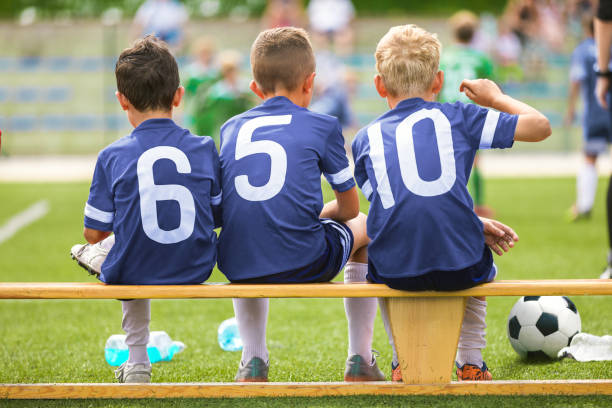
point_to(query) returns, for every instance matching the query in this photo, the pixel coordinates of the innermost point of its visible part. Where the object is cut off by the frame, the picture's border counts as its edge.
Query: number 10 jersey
(412, 164)
(158, 190)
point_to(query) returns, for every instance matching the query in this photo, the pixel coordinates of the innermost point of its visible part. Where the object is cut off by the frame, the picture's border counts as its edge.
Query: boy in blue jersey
(275, 226)
(158, 191)
(413, 164)
(596, 127)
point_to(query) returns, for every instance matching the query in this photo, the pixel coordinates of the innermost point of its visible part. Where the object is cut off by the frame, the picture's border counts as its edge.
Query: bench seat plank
(97, 290)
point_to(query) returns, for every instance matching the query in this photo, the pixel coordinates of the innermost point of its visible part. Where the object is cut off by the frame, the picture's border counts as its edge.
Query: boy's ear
(380, 86)
(438, 81)
(123, 101)
(178, 96)
(253, 87)
(308, 84)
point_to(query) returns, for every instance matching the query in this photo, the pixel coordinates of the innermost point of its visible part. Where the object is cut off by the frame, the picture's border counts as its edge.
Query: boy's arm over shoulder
(532, 126)
(216, 195)
(360, 151)
(100, 206)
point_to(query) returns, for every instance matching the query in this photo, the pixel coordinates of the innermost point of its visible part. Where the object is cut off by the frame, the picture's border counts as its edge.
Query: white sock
(472, 337)
(385, 318)
(135, 323)
(360, 313)
(252, 318)
(586, 187)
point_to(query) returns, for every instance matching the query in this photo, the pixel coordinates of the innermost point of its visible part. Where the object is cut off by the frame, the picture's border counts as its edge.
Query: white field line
(31, 214)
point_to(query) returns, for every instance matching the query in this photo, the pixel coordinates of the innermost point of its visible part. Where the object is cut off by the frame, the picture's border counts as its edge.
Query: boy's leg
(472, 341)
(135, 323)
(360, 312)
(586, 186)
(252, 319)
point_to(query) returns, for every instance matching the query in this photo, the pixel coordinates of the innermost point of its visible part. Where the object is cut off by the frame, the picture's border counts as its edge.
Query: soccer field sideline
(80, 168)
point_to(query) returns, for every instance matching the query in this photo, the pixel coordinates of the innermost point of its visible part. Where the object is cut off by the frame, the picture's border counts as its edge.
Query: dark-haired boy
(275, 226)
(157, 190)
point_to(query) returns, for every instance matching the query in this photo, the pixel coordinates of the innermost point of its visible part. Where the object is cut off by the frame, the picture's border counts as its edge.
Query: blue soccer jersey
(595, 119)
(413, 164)
(272, 158)
(158, 190)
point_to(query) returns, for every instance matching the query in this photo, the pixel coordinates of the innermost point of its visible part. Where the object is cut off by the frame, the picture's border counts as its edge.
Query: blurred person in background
(603, 40)
(330, 23)
(163, 18)
(507, 54)
(199, 75)
(461, 61)
(283, 13)
(225, 98)
(596, 126)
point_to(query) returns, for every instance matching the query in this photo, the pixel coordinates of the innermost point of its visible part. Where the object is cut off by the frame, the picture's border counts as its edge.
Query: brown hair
(407, 59)
(147, 75)
(464, 24)
(281, 57)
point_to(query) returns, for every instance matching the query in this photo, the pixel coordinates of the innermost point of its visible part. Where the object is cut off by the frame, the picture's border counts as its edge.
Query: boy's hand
(499, 237)
(484, 92)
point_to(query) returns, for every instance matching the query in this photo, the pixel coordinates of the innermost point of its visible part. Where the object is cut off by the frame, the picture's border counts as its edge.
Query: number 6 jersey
(272, 158)
(158, 190)
(413, 164)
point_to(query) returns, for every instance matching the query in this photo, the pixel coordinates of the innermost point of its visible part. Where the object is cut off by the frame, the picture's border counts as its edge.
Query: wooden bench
(425, 328)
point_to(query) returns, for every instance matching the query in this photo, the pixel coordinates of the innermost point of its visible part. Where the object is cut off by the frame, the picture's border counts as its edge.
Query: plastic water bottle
(228, 335)
(160, 348)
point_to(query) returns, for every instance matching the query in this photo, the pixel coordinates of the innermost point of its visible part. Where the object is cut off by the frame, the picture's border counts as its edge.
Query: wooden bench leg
(426, 333)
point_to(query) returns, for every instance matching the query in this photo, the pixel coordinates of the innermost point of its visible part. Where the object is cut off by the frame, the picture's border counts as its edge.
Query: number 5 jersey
(158, 190)
(272, 158)
(413, 163)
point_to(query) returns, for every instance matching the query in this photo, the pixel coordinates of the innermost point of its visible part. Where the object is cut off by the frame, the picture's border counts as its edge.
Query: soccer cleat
(607, 273)
(254, 371)
(133, 373)
(396, 373)
(89, 257)
(357, 369)
(471, 372)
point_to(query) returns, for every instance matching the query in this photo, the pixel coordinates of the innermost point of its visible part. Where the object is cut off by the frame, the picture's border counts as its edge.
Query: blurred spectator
(199, 75)
(225, 98)
(164, 18)
(283, 13)
(507, 54)
(522, 16)
(330, 22)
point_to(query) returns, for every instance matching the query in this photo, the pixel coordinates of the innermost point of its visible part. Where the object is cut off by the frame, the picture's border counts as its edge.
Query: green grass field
(63, 340)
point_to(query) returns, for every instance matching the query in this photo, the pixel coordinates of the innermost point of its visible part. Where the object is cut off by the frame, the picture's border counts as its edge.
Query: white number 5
(278, 158)
(151, 193)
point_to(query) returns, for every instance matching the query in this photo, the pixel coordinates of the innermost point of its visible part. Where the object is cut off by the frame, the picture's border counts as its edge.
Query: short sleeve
(488, 128)
(577, 66)
(360, 150)
(100, 207)
(335, 164)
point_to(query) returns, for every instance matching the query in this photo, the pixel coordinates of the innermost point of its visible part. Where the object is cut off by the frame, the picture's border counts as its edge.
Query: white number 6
(150, 193)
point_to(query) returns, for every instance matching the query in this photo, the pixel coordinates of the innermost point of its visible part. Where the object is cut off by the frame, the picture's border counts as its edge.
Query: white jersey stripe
(98, 215)
(340, 177)
(366, 189)
(488, 130)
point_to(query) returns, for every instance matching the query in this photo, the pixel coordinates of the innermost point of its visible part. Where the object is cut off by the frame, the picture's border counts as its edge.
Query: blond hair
(407, 59)
(281, 57)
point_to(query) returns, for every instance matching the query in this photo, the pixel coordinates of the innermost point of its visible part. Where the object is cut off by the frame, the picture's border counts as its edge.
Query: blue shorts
(481, 272)
(339, 239)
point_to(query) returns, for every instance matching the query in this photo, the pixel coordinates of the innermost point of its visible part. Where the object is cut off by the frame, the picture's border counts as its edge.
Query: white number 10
(404, 139)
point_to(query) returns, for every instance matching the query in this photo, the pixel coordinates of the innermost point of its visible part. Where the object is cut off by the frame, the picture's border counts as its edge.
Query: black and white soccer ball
(542, 325)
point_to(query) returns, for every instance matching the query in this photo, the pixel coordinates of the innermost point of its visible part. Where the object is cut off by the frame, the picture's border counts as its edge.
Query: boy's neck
(137, 117)
(297, 97)
(392, 101)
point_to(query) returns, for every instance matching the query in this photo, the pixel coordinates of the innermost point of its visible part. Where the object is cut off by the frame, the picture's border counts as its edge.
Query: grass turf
(63, 340)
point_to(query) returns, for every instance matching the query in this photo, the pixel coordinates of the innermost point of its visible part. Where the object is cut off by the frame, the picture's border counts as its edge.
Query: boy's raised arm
(532, 125)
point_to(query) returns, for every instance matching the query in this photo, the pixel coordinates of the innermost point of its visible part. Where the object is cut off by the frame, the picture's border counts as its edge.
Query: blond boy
(413, 163)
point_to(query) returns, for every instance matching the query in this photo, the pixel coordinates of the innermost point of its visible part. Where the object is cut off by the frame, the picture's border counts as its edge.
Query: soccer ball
(542, 325)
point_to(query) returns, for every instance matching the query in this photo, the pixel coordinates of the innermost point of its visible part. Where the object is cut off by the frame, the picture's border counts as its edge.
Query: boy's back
(272, 157)
(413, 163)
(153, 190)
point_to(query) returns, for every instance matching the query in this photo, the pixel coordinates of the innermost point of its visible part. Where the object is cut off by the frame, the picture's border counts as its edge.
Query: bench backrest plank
(96, 290)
